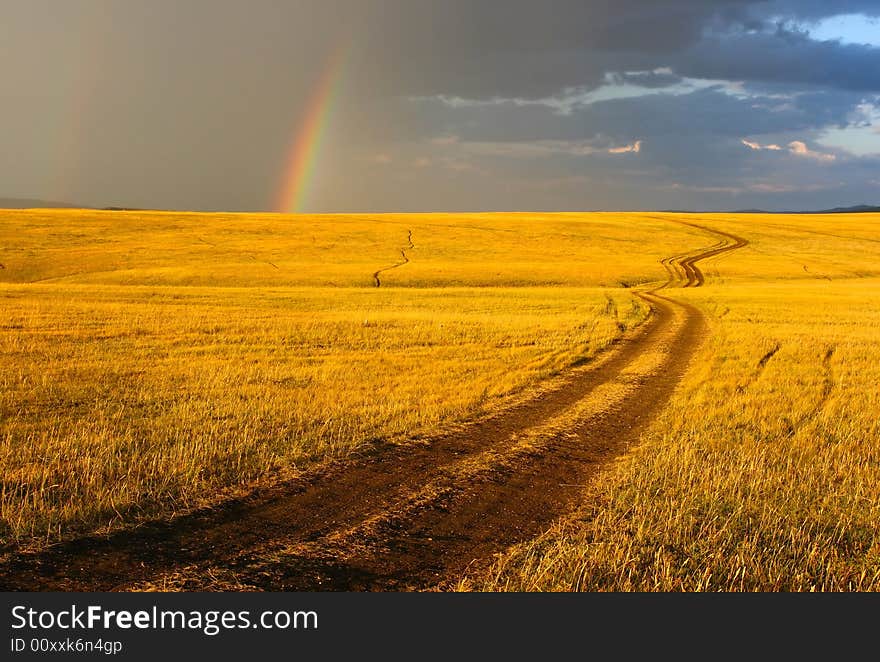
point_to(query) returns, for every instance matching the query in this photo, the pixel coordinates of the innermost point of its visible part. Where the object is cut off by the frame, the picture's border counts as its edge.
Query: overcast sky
(444, 104)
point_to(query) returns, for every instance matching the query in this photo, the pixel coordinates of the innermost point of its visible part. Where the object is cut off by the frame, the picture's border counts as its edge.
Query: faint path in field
(411, 516)
(825, 392)
(248, 254)
(422, 224)
(762, 363)
(759, 368)
(52, 279)
(797, 228)
(403, 255)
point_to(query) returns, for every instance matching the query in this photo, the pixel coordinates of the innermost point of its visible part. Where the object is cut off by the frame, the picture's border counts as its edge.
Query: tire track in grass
(403, 255)
(824, 394)
(411, 516)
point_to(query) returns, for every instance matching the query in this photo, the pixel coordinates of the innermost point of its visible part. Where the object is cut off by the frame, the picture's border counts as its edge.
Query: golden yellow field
(154, 362)
(151, 362)
(764, 471)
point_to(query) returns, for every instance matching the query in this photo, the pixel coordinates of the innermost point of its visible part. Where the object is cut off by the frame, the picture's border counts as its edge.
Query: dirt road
(409, 517)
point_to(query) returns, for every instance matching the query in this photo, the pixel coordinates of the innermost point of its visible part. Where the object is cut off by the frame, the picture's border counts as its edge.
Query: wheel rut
(414, 516)
(404, 260)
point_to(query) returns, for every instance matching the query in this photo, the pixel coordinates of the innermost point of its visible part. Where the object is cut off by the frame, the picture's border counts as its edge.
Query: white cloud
(757, 146)
(800, 149)
(540, 148)
(612, 88)
(796, 147)
(633, 147)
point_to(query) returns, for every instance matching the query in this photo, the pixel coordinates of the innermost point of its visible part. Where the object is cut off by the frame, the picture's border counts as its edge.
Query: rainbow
(306, 145)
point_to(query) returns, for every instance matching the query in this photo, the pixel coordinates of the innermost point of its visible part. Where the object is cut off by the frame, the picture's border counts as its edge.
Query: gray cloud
(194, 104)
(783, 57)
(658, 78)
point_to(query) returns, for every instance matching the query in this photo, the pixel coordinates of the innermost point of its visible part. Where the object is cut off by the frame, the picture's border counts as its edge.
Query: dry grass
(764, 472)
(153, 362)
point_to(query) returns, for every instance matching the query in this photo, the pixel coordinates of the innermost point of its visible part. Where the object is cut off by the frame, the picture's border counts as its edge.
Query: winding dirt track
(408, 517)
(403, 255)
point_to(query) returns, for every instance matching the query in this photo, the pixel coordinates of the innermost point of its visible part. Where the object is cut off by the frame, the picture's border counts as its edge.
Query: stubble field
(153, 363)
(150, 361)
(763, 473)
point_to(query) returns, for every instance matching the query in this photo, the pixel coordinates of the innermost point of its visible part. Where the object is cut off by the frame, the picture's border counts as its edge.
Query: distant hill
(30, 203)
(33, 203)
(857, 209)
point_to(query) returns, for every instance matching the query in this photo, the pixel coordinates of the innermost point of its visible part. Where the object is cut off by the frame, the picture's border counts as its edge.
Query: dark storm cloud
(454, 104)
(528, 49)
(783, 56)
(683, 155)
(648, 117)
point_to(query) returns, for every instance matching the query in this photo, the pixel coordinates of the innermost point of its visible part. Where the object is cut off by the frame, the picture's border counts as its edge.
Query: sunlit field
(154, 362)
(764, 471)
